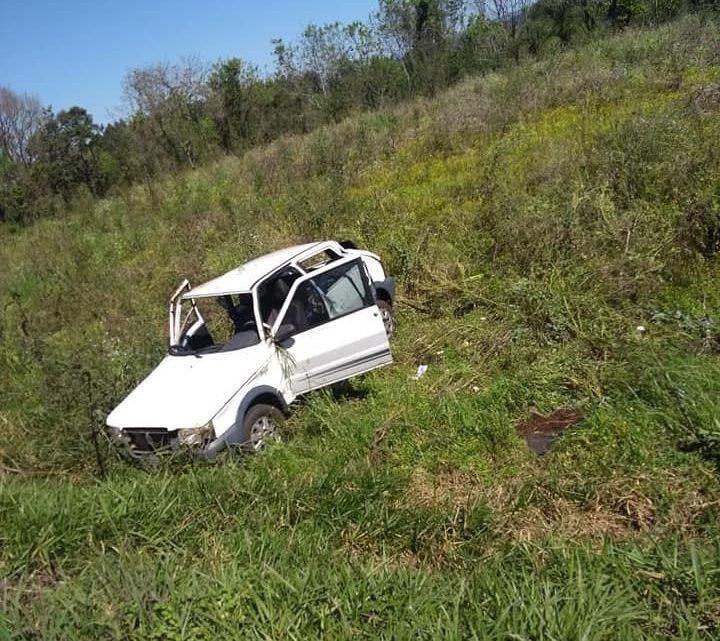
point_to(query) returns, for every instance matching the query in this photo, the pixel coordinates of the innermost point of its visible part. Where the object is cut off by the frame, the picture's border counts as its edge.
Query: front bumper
(142, 443)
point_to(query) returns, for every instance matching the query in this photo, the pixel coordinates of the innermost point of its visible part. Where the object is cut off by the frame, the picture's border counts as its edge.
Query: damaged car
(245, 345)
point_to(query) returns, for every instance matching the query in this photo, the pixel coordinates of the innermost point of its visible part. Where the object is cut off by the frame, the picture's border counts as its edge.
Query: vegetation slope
(534, 219)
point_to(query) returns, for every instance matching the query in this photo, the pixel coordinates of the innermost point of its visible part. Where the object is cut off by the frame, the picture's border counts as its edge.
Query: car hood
(188, 391)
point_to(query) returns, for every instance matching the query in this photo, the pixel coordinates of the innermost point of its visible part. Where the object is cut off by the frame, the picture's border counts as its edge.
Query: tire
(386, 313)
(262, 424)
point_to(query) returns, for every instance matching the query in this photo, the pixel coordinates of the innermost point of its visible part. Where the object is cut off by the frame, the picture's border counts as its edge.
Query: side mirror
(284, 332)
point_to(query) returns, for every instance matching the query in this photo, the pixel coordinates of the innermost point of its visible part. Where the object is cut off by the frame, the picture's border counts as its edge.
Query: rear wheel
(262, 425)
(386, 313)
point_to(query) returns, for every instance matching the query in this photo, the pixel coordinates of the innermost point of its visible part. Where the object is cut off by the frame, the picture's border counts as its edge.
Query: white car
(243, 346)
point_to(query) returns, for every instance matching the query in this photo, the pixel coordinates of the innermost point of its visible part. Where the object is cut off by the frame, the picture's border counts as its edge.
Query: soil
(541, 431)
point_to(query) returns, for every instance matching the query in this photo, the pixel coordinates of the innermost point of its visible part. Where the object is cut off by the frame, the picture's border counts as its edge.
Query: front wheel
(262, 425)
(386, 313)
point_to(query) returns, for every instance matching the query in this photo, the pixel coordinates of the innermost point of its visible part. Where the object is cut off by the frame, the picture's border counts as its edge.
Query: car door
(337, 328)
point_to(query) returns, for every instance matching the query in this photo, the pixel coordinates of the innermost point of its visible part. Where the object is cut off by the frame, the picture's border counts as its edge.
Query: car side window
(344, 290)
(327, 296)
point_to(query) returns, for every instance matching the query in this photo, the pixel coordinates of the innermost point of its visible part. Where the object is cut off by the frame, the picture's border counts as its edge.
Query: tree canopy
(180, 115)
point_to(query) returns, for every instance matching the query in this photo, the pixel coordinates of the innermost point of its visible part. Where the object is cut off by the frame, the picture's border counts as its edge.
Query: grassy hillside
(534, 220)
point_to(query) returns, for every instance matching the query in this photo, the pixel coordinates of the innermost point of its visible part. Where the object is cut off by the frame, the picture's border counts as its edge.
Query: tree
(168, 107)
(67, 153)
(235, 102)
(120, 162)
(484, 45)
(422, 34)
(311, 69)
(510, 13)
(557, 21)
(20, 117)
(321, 52)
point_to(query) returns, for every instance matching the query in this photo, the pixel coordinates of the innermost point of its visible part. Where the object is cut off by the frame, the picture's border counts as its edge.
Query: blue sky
(75, 52)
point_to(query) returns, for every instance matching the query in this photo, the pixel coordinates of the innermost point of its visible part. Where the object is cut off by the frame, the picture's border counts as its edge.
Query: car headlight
(196, 435)
(116, 435)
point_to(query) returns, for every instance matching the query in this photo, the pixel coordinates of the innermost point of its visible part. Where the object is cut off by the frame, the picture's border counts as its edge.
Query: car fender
(234, 433)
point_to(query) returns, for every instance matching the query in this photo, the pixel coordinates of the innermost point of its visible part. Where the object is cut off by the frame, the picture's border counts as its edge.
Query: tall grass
(534, 220)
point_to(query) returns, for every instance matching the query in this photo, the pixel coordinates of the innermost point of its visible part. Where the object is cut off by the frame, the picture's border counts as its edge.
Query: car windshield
(217, 324)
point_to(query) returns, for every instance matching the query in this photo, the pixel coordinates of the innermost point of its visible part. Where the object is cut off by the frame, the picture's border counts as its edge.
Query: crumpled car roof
(244, 277)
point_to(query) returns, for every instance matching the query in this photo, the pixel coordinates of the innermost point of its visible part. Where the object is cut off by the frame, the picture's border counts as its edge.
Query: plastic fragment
(420, 372)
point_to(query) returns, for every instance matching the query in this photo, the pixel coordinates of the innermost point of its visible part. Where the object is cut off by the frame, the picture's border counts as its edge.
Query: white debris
(420, 372)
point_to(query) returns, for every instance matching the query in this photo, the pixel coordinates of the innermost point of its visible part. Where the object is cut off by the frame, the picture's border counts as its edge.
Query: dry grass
(619, 508)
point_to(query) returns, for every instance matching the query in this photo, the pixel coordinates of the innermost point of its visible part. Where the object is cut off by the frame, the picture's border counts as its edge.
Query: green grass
(534, 219)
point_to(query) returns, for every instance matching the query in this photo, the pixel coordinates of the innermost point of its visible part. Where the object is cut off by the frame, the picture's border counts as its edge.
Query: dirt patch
(609, 513)
(612, 511)
(540, 431)
(565, 519)
(524, 509)
(451, 487)
(707, 98)
(691, 509)
(618, 507)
